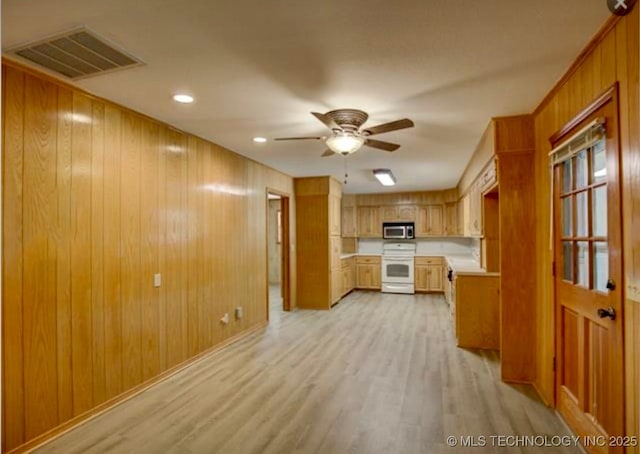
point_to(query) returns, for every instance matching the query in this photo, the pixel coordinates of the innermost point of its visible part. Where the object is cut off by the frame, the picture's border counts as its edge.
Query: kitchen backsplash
(475, 248)
(435, 246)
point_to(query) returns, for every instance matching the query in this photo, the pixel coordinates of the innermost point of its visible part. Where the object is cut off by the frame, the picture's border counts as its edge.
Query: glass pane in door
(599, 213)
(582, 263)
(582, 214)
(599, 162)
(582, 170)
(600, 266)
(567, 256)
(566, 176)
(567, 217)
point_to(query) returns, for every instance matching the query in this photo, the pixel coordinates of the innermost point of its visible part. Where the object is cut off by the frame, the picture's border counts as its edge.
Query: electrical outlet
(225, 319)
(239, 313)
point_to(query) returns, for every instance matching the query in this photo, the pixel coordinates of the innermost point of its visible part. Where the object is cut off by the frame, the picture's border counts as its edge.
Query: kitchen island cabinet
(475, 310)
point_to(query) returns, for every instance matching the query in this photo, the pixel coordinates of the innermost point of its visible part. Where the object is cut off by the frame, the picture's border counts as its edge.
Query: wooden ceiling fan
(347, 136)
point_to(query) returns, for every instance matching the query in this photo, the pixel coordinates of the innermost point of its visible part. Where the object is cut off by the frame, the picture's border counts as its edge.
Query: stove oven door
(397, 270)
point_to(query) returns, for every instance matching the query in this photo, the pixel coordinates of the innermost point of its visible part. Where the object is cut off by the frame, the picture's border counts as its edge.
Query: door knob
(604, 313)
(611, 285)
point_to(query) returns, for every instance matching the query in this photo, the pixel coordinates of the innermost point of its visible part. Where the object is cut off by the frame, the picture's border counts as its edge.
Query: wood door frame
(609, 95)
(285, 256)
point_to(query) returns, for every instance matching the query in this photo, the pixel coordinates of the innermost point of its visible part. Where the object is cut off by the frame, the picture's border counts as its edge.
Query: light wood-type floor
(377, 374)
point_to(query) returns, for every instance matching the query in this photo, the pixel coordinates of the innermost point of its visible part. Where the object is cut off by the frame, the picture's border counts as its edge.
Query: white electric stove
(397, 267)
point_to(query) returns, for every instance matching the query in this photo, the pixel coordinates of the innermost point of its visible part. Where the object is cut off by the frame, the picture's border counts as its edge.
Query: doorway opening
(278, 285)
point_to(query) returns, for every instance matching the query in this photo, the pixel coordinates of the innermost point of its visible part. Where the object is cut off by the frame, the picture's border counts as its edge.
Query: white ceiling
(257, 68)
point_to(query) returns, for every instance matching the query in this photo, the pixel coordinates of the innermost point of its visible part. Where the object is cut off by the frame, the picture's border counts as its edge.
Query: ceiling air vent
(77, 54)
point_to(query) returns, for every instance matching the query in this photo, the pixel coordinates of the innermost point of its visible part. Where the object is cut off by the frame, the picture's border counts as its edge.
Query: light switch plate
(157, 280)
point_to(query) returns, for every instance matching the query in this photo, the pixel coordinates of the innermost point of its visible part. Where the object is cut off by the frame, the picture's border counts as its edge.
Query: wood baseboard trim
(83, 418)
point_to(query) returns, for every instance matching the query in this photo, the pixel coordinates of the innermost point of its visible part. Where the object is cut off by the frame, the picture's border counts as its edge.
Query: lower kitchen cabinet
(475, 309)
(428, 274)
(368, 272)
(336, 286)
(348, 269)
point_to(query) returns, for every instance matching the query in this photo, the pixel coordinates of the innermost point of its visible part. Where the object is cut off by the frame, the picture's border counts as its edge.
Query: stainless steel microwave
(398, 230)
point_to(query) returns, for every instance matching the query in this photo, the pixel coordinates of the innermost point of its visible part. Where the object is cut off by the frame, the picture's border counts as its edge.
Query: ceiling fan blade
(386, 146)
(388, 127)
(327, 120)
(327, 153)
(300, 138)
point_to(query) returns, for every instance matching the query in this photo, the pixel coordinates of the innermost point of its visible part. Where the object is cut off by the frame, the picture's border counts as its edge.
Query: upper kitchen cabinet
(451, 219)
(472, 203)
(349, 216)
(460, 218)
(363, 214)
(389, 213)
(407, 213)
(369, 222)
(398, 213)
(478, 178)
(430, 221)
(318, 240)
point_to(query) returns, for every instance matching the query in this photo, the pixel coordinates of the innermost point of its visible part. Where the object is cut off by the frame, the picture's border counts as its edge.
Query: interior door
(587, 232)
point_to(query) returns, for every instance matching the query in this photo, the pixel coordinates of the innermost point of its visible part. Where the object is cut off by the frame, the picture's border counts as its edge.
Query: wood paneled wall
(96, 199)
(517, 266)
(613, 56)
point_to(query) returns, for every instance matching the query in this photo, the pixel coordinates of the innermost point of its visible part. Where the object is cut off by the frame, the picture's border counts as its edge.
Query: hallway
(275, 300)
(378, 374)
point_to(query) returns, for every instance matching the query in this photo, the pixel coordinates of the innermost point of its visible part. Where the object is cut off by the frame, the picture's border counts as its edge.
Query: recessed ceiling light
(184, 99)
(259, 139)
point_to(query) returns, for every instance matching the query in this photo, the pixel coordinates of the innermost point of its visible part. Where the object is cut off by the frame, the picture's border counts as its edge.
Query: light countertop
(462, 264)
(467, 265)
(357, 254)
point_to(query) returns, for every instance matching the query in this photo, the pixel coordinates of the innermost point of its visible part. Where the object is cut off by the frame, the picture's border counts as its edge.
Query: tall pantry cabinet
(319, 243)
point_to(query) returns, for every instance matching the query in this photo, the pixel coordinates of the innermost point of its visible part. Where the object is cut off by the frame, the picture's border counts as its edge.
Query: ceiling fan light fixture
(385, 177)
(345, 143)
